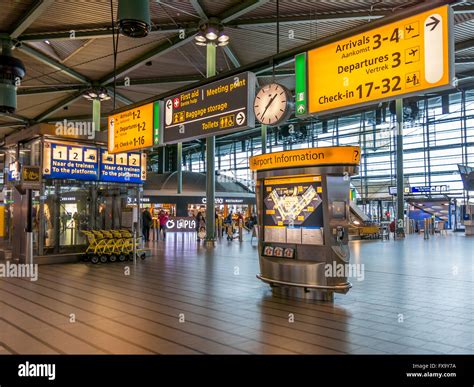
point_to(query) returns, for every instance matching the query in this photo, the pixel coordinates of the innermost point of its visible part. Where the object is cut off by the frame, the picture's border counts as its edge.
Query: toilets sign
(219, 107)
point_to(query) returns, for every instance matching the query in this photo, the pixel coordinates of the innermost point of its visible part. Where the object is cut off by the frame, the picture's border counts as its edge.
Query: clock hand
(268, 104)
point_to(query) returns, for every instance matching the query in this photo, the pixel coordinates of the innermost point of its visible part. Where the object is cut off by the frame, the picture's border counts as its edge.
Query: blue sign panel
(62, 161)
(122, 167)
(429, 189)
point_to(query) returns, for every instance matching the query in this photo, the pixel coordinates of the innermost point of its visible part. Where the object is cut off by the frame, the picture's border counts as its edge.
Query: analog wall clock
(272, 104)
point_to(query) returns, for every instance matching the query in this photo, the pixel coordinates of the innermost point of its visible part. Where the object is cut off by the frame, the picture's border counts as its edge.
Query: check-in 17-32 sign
(219, 107)
(401, 58)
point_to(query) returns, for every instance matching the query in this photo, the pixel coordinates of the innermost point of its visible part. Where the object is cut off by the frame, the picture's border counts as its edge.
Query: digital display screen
(293, 211)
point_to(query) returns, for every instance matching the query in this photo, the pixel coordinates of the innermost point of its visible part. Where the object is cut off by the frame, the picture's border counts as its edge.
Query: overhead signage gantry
(223, 106)
(396, 60)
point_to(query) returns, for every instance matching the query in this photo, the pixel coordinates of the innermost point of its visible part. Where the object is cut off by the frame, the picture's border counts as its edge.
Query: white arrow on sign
(240, 118)
(300, 109)
(169, 112)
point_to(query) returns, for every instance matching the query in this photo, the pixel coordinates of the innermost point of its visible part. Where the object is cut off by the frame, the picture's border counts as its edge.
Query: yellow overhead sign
(404, 57)
(131, 129)
(306, 157)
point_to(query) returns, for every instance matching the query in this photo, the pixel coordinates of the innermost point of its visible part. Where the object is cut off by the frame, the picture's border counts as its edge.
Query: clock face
(271, 104)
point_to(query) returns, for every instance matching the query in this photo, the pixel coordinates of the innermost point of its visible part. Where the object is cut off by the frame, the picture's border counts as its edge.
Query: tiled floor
(417, 297)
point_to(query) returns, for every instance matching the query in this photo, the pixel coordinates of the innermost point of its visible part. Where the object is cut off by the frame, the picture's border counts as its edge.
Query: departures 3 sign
(398, 59)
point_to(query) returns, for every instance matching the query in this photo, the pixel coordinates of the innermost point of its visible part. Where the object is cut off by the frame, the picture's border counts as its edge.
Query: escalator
(361, 226)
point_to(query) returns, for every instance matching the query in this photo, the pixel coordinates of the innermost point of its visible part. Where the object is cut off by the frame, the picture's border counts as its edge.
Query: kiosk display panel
(293, 212)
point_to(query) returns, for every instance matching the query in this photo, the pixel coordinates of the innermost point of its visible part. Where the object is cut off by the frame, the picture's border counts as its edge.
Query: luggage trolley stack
(111, 246)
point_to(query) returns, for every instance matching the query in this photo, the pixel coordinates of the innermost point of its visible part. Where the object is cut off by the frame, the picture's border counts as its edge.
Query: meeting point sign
(345, 155)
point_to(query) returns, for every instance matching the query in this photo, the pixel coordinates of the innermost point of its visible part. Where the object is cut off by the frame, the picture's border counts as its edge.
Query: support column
(210, 159)
(96, 114)
(264, 138)
(41, 220)
(56, 216)
(400, 186)
(179, 169)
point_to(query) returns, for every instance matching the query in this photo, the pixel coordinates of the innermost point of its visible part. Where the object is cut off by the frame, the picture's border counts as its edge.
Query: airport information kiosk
(303, 213)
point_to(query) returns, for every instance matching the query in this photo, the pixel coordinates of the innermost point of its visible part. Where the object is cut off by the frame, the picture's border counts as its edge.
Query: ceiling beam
(465, 60)
(98, 32)
(82, 117)
(159, 80)
(199, 9)
(31, 15)
(464, 45)
(43, 116)
(118, 96)
(231, 55)
(463, 8)
(240, 9)
(327, 17)
(52, 63)
(16, 117)
(13, 125)
(307, 19)
(161, 49)
(47, 90)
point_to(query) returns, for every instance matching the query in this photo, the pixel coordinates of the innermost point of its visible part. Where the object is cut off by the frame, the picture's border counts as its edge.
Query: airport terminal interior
(236, 177)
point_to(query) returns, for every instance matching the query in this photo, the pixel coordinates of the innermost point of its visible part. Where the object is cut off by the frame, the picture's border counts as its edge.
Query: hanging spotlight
(134, 18)
(223, 37)
(11, 71)
(211, 32)
(200, 38)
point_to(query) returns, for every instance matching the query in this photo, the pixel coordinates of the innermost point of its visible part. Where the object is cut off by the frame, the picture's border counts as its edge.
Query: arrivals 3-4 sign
(405, 57)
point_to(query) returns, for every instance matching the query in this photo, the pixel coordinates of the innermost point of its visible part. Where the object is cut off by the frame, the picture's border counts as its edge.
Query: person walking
(200, 224)
(146, 224)
(163, 220)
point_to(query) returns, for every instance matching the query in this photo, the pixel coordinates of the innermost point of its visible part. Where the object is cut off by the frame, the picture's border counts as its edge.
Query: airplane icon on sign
(413, 52)
(409, 29)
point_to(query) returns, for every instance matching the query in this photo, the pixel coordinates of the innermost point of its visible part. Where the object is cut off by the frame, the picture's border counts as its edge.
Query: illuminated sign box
(63, 161)
(399, 59)
(219, 107)
(121, 167)
(134, 129)
(348, 155)
(75, 162)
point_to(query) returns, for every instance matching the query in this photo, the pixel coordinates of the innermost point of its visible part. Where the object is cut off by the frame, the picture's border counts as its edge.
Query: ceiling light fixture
(211, 32)
(100, 94)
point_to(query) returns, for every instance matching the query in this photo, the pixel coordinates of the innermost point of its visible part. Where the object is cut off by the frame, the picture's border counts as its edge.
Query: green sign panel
(156, 122)
(301, 105)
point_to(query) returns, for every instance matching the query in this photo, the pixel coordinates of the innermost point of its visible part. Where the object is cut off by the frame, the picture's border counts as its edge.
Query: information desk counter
(303, 212)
